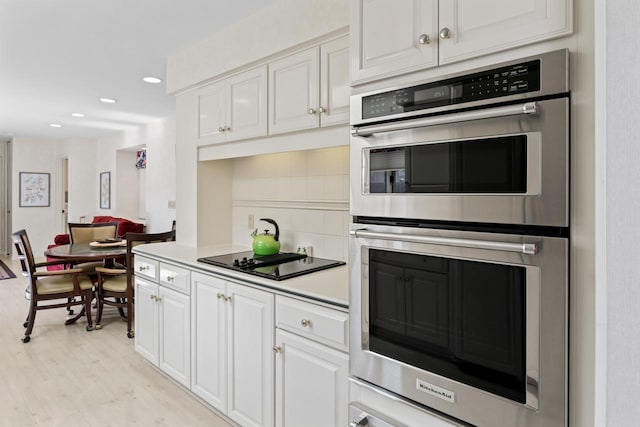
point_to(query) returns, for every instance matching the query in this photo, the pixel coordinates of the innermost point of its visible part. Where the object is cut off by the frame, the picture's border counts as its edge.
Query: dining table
(74, 253)
(88, 252)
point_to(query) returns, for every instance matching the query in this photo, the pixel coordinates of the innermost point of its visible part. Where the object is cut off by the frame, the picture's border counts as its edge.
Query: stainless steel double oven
(459, 242)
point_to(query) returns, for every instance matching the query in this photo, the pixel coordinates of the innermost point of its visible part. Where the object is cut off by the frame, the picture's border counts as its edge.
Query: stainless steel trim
(523, 248)
(529, 108)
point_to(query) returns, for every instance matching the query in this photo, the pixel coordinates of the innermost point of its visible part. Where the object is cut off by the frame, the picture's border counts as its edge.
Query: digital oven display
(504, 81)
(437, 93)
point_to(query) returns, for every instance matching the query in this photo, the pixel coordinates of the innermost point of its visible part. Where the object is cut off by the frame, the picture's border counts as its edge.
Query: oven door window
(464, 320)
(490, 165)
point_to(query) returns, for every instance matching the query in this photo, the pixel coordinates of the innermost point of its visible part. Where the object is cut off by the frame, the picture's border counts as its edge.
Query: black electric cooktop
(276, 267)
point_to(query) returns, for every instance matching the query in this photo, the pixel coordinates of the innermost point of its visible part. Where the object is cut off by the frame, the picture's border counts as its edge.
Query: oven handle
(524, 248)
(529, 108)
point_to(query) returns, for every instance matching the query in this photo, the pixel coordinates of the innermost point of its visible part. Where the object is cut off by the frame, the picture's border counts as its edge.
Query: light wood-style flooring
(67, 376)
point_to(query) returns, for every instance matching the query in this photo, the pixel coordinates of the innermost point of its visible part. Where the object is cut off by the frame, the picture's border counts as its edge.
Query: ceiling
(60, 57)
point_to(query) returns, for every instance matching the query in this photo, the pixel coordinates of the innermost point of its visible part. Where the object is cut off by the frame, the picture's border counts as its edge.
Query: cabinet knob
(227, 298)
(143, 268)
(220, 129)
(277, 349)
(445, 33)
(226, 129)
(311, 111)
(424, 39)
(321, 110)
(153, 297)
(220, 295)
(170, 278)
(305, 322)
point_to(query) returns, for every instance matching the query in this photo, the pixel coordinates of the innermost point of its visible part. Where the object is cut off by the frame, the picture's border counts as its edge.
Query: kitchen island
(260, 352)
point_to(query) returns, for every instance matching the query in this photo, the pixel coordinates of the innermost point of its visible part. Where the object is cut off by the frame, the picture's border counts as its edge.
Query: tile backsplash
(305, 192)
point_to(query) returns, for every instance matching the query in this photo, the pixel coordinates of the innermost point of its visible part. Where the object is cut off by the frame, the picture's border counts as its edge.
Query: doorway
(5, 196)
(63, 195)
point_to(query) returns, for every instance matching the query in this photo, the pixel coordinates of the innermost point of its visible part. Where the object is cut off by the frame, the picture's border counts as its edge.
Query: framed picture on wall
(105, 190)
(34, 189)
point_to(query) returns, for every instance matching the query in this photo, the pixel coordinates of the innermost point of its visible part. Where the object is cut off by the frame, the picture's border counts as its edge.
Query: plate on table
(108, 243)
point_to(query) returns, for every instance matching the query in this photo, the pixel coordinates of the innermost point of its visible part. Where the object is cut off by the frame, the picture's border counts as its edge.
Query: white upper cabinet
(234, 108)
(392, 37)
(480, 27)
(334, 82)
(310, 89)
(389, 36)
(294, 92)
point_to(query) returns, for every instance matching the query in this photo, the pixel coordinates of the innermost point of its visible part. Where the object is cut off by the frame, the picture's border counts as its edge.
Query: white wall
(305, 192)
(159, 139)
(33, 155)
(620, 201)
(160, 175)
(278, 26)
(30, 155)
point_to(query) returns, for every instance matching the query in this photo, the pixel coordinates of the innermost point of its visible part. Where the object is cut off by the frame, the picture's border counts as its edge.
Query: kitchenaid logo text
(436, 391)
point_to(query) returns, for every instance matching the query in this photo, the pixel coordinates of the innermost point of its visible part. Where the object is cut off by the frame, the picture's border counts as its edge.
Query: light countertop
(329, 286)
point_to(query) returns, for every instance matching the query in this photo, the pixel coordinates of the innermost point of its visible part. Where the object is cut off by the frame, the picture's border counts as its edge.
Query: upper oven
(490, 146)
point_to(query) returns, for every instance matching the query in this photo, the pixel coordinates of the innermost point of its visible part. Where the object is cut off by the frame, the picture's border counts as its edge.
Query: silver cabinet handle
(220, 129)
(226, 128)
(227, 298)
(277, 349)
(153, 297)
(170, 278)
(528, 108)
(445, 33)
(305, 322)
(220, 295)
(311, 111)
(523, 248)
(143, 268)
(321, 110)
(424, 39)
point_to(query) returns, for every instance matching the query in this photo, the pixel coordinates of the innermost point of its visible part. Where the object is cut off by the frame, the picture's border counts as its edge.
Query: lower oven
(471, 324)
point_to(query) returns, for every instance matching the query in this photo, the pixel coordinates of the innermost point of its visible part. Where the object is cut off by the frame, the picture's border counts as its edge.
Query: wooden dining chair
(47, 286)
(116, 285)
(87, 233)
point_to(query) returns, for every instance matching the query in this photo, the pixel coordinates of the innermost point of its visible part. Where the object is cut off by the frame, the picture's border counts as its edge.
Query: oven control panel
(493, 83)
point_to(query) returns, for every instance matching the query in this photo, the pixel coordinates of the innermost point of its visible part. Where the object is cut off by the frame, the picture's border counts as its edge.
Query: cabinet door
(212, 115)
(250, 356)
(209, 340)
(480, 27)
(175, 335)
(387, 37)
(334, 82)
(146, 320)
(311, 383)
(293, 92)
(247, 116)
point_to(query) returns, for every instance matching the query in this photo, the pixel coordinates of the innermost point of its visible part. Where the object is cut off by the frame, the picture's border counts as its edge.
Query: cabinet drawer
(175, 277)
(321, 324)
(145, 267)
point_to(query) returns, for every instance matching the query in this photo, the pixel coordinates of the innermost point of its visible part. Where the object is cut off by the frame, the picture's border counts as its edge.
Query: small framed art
(34, 189)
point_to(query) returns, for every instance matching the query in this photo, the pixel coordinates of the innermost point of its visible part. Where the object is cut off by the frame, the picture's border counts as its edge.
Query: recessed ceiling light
(77, 115)
(55, 125)
(153, 80)
(108, 100)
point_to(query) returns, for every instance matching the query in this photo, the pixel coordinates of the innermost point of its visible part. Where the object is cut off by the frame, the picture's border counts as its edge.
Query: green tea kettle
(266, 244)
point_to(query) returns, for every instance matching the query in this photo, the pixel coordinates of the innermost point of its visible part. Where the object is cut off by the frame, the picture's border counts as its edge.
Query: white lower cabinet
(311, 383)
(162, 326)
(232, 356)
(312, 366)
